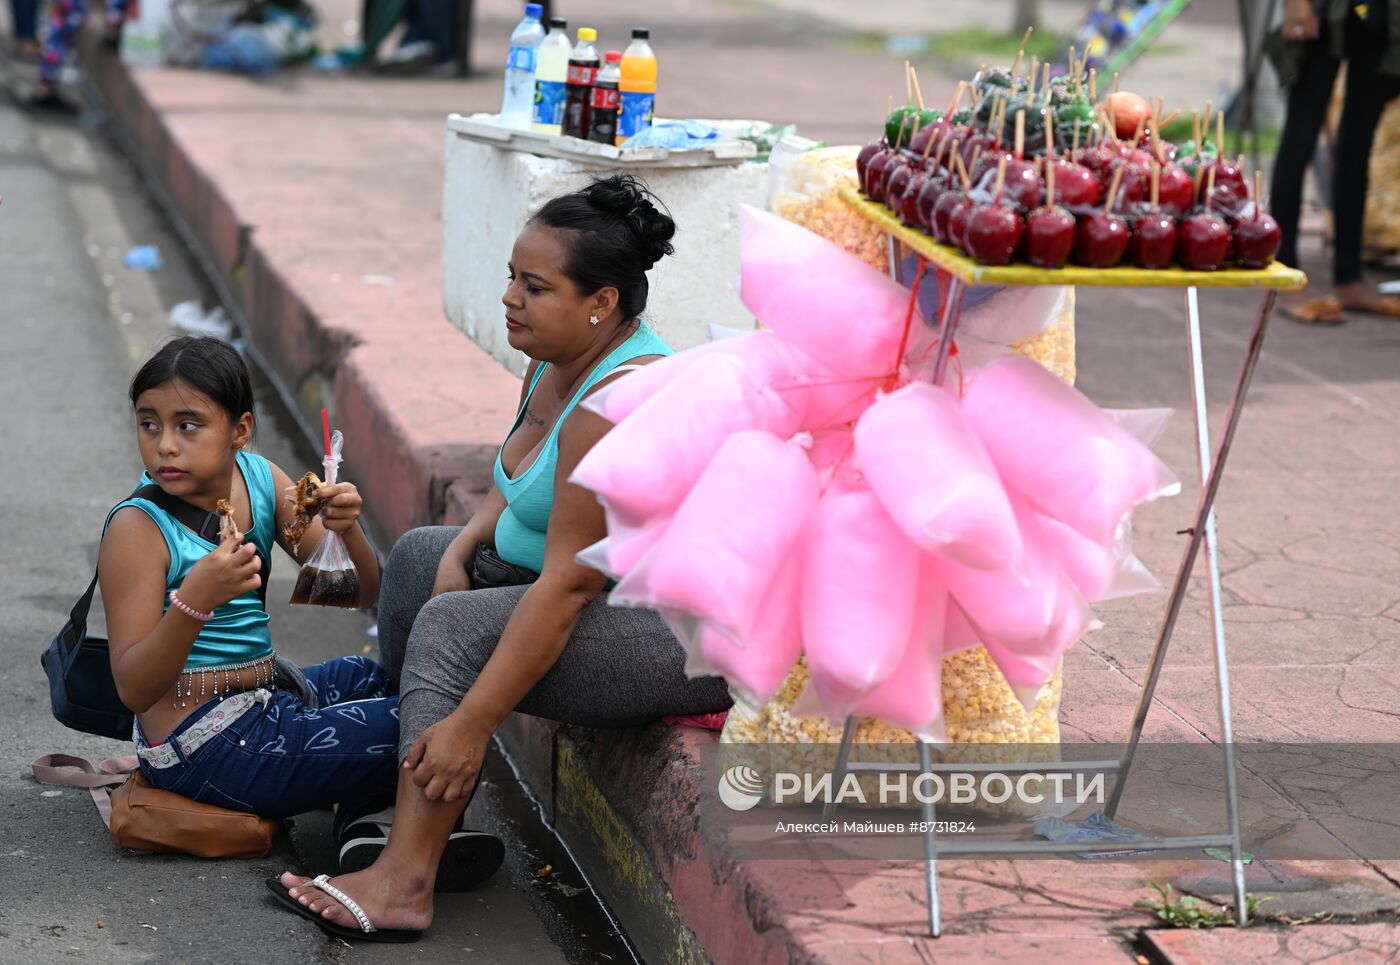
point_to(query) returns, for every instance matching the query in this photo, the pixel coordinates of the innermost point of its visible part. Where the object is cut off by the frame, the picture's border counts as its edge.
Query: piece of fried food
(227, 527)
(305, 506)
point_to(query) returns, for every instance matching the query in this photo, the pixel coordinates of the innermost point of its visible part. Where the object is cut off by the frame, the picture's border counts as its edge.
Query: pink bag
(860, 581)
(934, 478)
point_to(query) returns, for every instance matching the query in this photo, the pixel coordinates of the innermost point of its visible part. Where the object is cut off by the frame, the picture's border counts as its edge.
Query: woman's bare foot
(1311, 309)
(1362, 297)
(390, 901)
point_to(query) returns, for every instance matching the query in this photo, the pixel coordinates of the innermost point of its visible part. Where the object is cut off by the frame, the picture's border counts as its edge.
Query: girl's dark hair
(211, 366)
(619, 233)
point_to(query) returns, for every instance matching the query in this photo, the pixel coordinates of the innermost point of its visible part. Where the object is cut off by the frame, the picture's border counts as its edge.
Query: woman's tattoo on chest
(532, 419)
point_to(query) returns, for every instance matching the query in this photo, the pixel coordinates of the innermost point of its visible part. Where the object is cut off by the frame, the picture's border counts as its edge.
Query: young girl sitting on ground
(190, 647)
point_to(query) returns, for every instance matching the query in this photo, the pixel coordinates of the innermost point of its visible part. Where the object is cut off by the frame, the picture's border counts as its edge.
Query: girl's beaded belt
(219, 717)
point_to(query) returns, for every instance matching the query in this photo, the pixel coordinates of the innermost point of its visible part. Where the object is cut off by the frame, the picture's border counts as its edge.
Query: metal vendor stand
(965, 272)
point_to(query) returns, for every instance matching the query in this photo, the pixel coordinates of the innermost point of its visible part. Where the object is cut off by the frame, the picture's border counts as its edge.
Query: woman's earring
(593, 319)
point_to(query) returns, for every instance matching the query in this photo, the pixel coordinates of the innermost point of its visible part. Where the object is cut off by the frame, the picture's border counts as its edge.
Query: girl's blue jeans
(282, 758)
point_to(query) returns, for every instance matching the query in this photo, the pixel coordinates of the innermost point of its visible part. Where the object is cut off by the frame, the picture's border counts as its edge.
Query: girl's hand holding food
(230, 571)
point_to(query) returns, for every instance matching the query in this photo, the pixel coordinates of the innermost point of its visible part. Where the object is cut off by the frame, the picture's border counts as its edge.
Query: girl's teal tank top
(520, 532)
(238, 633)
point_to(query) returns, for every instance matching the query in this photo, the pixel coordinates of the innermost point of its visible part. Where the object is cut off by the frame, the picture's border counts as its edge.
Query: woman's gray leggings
(621, 667)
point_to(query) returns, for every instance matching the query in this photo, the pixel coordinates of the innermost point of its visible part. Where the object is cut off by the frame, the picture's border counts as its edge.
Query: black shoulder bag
(79, 668)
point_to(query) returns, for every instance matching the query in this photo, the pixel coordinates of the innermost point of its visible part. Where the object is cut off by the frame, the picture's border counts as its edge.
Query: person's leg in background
(1308, 99)
(429, 39)
(24, 18)
(65, 20)
(114, 15)
(1367, 93)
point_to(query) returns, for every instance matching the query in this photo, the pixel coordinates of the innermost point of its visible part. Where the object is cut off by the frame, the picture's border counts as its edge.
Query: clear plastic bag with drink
(329, 577)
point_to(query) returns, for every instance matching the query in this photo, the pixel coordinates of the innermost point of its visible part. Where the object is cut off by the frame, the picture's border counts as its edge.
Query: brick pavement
(316, 199)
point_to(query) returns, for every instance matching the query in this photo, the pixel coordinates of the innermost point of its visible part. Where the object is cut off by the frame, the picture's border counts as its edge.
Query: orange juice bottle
(637, 87)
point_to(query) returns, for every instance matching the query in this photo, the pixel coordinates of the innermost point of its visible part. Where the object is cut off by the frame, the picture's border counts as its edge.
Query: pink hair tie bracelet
(188, 610)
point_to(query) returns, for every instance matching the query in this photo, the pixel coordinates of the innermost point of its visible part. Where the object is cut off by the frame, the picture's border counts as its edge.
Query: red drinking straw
(326, 430)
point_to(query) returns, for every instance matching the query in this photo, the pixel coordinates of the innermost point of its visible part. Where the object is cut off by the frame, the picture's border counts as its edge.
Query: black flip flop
(469, 858)
(392, 936)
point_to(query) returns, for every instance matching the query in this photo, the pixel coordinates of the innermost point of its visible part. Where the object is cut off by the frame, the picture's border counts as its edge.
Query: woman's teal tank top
(520, 532)
(238, 633)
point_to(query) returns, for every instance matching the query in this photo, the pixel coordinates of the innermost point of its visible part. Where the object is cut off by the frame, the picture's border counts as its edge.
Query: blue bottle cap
(534, 10)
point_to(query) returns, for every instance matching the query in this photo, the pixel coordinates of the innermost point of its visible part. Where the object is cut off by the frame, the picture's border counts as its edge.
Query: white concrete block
(490, 193)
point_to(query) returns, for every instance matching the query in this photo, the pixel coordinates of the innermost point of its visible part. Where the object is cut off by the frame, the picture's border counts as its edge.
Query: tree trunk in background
(1027, 15)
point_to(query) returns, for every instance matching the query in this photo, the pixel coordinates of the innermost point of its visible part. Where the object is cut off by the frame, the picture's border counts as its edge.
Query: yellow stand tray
(956, 263)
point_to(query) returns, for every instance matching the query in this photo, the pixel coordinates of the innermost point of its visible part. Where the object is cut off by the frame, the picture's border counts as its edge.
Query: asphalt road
(75, 325)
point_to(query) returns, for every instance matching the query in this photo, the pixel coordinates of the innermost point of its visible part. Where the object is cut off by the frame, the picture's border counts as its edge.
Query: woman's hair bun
(629, 199)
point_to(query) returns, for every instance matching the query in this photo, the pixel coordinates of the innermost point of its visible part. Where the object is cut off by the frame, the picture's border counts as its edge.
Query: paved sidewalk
(316, 200)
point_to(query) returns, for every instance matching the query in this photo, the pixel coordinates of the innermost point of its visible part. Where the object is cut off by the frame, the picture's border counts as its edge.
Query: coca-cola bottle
(603, 105)
(583, 71)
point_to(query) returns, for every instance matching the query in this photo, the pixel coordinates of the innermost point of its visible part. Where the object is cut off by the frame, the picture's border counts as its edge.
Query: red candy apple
(1257, 239)
(1050, 229)
(1103, 236)
(1154, 240)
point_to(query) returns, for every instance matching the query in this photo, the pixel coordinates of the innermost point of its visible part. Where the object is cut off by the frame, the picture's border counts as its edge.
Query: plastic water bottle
(551, 70)
(637, 102)
(602, 106)
(146, 34)
(583, 71)
(518, 102)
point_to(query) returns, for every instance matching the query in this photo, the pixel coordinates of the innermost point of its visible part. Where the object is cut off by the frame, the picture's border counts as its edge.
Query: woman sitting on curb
(553, 648)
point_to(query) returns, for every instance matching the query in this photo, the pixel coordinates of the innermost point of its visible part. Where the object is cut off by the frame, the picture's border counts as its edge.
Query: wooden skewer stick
(1220, 135)
(1049, 182)
(1137, 133)
(1109, 128)
(1020, 132)
(1115, 81)
(1206, 115)
(899, 138)
(962, 171)
(1093, 84)
(1033, 76)
(1258, 193)
(1170, 117)
(1210, 187)
(1045, 81)
(1196, 131)
(1156, 182)
(1001, 180)
(918, 93)
(929, 146)
(908, 85)
(1113, 191)
(1021, 52)
(938, 155)
(1074, 143)
(957, 96)
(1049, 133)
